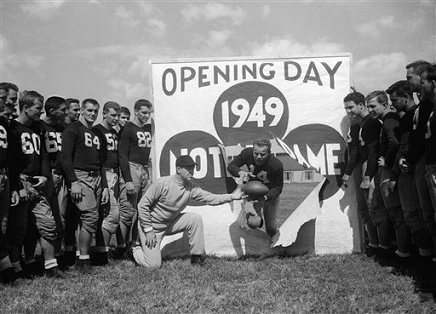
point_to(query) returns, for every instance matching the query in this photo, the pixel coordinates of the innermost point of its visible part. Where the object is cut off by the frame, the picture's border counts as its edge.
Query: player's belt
(94, 174)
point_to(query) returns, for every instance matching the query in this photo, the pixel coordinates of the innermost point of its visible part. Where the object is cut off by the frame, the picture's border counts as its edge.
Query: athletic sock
(51, 263)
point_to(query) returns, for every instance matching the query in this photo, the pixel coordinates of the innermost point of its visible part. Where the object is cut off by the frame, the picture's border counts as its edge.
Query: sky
(102, 49)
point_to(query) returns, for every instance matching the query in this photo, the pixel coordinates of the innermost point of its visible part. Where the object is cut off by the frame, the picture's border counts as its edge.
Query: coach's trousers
(192, 223)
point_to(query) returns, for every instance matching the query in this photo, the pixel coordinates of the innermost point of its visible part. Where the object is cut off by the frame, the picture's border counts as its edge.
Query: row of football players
(392, 156)
(55, 171)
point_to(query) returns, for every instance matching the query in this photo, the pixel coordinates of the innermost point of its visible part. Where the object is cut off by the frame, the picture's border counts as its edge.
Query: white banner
(201, 104)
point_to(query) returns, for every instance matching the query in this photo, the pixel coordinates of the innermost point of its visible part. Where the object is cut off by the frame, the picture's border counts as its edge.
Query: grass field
(346, 283)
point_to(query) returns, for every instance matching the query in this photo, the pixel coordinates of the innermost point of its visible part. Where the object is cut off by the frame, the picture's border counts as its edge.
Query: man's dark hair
(355, 97)
(261, 142)
(380, 96)
(90, 101)
(11, 86)
(418, 66)
(400, 88)
(125, 110)
(142, 102)
(53, 102)
(111, 104)
(431, 72)
(70, 101)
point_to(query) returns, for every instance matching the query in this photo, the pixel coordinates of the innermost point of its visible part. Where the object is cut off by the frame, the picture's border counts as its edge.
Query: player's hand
(130, 188)
(345, 179)
(404, 165)
(76, 192)
(391, 185)
(42, 181)
(150, 239)
(15, 198)
(382, 162)
(105, 196)
(366, 182)
(24, 195)
(237, 194)
(245, 176)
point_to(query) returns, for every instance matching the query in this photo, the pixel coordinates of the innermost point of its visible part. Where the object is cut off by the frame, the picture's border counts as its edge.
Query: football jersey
(353, 146)
(389, 137)
(419, 127)
(134, 146)
(3, 142)
(369, 143)
(80, 150)
(108, 146)
(53, 142)
(26, 149)
(430, 140)
(270, 173)
(405, 127)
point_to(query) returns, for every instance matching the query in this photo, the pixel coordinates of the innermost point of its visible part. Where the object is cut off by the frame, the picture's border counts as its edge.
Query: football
(255, 188)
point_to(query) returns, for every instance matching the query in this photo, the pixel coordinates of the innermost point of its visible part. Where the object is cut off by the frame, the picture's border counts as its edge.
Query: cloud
(128, 90)
(156, 27)
(218, 38)
(265, 11)
(289, 47)
(154, 24)
(43, 9)
(11, 60)
(213, 11)
(427, 3)
(146, 8)
(126, 16)
(139, 66)
(374, 28)
(386, 68)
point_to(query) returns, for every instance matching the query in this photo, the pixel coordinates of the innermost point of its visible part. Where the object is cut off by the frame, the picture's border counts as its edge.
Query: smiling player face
(353, 110)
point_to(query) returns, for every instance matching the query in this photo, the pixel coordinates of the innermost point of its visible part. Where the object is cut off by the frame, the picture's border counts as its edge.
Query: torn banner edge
(309, 209)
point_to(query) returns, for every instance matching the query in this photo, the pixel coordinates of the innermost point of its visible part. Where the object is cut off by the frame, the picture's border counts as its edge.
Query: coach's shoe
(84, 266)
(131, 246)
(7, 276)
(199, 260)
(55, 272)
